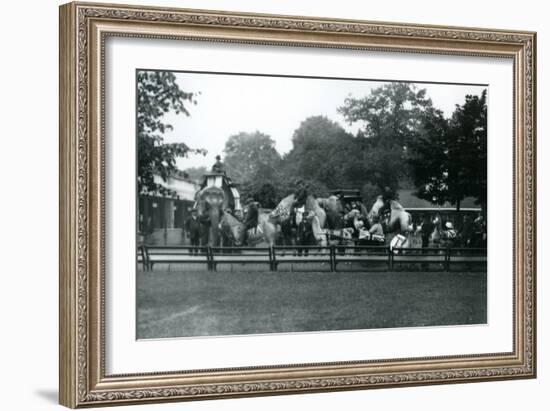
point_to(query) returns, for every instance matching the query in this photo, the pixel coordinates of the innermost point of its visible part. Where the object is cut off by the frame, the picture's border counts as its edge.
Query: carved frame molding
(83, 30)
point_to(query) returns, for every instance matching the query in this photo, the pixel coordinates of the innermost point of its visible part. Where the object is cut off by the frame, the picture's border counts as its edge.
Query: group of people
(435, 232)
(346, 224)
(354, 219)
(298, 228)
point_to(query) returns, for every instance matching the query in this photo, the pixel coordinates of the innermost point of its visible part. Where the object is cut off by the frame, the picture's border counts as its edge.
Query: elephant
(210, 203)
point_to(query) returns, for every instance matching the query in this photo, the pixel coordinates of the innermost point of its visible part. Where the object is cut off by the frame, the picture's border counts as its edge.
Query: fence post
(210, 259)
(272, 260)
(144, 262)
(332, 258)
(447, 259)
(390, 259)
(148, 263)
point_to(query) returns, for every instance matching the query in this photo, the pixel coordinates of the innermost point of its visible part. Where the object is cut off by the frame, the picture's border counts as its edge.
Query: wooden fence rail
(333, 255)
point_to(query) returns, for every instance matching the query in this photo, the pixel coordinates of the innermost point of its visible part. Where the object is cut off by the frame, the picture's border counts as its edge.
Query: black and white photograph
(283, 204)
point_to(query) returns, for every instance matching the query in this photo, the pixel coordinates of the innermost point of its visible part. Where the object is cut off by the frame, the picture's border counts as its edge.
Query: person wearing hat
(304, 231)
(218, 166)
(377, 231)
(193, 229)
(300, 193)
(479, 239)
(466, 231)
(251, 219)
(426, 230)
(450, 228)
(388, 195)
(450, 234)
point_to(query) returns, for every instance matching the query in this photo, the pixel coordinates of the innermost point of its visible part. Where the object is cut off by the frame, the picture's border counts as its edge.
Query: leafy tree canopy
(389, 114)
(321, 152)
(449, 159)
(390, 119)
(403, 141)
(251, 156)
(158, 93)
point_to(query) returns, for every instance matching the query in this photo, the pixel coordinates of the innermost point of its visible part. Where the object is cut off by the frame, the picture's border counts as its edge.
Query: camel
(399, 223)
(400, 220)
(234, 230)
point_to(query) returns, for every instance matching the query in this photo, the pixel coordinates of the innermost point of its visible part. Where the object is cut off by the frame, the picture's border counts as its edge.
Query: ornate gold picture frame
(84, 30)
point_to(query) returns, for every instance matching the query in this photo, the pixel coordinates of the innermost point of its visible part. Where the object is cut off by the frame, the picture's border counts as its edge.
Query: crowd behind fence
(380, 257)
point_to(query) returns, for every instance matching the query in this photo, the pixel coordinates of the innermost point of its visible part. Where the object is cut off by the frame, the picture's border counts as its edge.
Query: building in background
(418, 207)
(161, 219)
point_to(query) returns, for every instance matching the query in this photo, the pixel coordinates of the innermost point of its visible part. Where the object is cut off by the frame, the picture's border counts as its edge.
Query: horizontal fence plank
(333, 255)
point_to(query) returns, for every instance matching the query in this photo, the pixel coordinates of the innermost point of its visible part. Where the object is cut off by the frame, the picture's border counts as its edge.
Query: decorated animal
(399, 221)
(331, 204)
(283, 209)
(319, 233)
(235, 232)
(287, 204)
(312, 206)
(209, 203)
(232, 230)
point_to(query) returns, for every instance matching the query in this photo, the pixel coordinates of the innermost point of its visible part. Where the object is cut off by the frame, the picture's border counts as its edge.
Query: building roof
(183, 188)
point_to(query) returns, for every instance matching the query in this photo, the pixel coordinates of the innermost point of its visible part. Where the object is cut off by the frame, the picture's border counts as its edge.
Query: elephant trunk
(214, 237)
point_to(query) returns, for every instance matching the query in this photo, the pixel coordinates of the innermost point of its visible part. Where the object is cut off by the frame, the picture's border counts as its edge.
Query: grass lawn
(188, 303)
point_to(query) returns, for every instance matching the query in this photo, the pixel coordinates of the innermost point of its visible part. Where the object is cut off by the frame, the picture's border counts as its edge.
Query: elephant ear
(198, 197)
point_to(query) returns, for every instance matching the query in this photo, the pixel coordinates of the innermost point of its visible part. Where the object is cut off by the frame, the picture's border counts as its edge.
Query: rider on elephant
(218, 166)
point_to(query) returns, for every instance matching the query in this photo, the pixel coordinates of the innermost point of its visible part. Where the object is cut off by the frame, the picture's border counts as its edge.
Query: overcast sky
(229, 104)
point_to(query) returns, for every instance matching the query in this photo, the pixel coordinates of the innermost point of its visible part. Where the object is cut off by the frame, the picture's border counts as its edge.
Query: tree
(429, 158)
(389, 118)
(369, 193)
(320, 154)
(266, 193)
(389, 114)
(251, 157)
(379, 166)
(468, 153)
(157, 94)
(449, 159)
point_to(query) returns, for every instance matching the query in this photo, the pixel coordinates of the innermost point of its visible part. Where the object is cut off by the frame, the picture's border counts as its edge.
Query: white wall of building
(184, 189)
